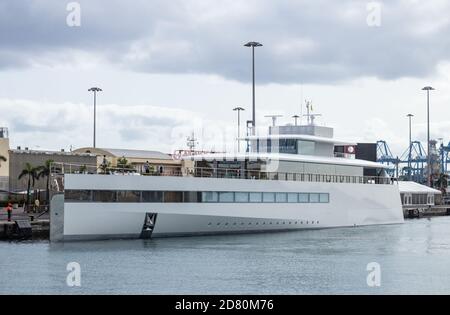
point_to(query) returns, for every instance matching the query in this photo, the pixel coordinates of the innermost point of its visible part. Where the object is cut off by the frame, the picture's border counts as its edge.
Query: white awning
(415, 188)
(300, 137)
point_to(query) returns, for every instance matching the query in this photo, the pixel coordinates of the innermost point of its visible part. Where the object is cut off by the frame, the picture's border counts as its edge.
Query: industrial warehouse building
(19, 157)
(15, 160)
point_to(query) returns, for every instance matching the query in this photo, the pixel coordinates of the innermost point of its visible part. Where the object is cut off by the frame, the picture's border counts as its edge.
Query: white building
(414, 194)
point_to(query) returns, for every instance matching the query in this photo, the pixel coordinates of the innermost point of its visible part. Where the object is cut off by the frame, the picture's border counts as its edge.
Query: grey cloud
(143, 120)
(33, 128)
(304, 41)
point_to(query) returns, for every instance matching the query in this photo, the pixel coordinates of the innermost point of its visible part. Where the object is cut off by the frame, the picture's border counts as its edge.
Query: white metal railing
(206, 172)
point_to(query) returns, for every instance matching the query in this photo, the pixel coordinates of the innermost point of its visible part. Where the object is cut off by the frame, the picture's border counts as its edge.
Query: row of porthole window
(268, 223)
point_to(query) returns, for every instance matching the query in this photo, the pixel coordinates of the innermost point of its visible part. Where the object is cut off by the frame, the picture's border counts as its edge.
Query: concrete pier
(40, 229)
(39, 222)
(419, 211)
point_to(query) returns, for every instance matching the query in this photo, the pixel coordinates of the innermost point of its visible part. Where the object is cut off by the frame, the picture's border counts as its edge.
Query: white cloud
(54, 126)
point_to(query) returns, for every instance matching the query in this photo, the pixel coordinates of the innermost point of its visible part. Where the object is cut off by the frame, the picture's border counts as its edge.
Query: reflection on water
(414, 258)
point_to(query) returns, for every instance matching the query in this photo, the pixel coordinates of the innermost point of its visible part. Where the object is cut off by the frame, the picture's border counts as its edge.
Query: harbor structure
(18, 159)
(412, 163)
(414, 194)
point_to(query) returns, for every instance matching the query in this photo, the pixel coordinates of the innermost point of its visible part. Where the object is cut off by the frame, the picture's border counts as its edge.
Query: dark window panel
(192, 196)
(78, 195)
(173, 196)
(152, 196)
(128, 196)
(104, 195)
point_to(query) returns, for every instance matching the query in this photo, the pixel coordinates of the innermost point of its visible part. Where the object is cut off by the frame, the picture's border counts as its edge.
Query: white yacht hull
(349, 205)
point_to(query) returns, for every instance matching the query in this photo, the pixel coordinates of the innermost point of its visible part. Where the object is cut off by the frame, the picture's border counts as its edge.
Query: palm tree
(30, 172)
(44, 171)
(442, 183)
(2, 158)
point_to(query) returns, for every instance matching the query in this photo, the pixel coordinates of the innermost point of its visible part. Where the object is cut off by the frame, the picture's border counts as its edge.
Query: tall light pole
(253, 45)
(428, 89)
(95, 90)
(239, 109)
(410, 116)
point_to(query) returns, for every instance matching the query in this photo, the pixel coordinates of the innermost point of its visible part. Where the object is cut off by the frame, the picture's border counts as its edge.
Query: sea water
(413, 257)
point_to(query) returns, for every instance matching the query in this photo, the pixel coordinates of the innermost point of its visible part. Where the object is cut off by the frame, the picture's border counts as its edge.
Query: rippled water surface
(414, 258)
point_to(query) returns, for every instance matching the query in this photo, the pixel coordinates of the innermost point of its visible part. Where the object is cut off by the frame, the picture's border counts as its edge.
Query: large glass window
(281, 197)
(306, 147)
(226, 197)
(104, 195)
(152, 196)
(255, 197)
(241, 197)
(128, 196)
(173, 196)
(314, 198)
(268, 197)
(292, 197)
(78, 195)
(324, 198)
(303, 198)
(210, 196)
(192, 196)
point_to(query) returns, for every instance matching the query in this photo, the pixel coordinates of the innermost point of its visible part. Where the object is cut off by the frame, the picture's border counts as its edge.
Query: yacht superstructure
(296, 177)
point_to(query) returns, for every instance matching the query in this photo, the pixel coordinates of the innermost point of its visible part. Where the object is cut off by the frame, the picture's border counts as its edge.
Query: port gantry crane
(415, 159)
(444, 152)
(385, 156)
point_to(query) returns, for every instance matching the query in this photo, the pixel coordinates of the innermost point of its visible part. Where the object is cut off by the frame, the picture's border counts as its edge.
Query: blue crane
(385, 156)
(415, 159)
(444, 151)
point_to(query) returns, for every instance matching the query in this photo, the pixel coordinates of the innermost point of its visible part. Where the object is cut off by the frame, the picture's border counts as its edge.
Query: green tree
(83, 169)
(123, 164)
(45, 171)
(31, 173)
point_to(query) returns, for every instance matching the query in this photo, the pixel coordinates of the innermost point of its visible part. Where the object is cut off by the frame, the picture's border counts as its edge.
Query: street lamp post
(428, 89)
(253, 45)
(410, 116)
(95, 90)
(239, 109)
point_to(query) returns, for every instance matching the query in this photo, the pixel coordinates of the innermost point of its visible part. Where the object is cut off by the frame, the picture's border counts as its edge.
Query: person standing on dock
(9, 210)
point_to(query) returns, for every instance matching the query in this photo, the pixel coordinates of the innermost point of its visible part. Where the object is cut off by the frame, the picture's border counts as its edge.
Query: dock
(24, 225)
(420, 211)
(24, 229)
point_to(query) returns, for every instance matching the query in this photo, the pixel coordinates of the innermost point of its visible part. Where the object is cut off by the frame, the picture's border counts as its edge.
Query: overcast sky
(169, 67)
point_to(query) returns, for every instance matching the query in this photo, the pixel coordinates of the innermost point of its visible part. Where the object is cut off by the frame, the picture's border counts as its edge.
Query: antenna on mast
(311, 117)
(274, 119)
(301, 103)
(191, 142)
